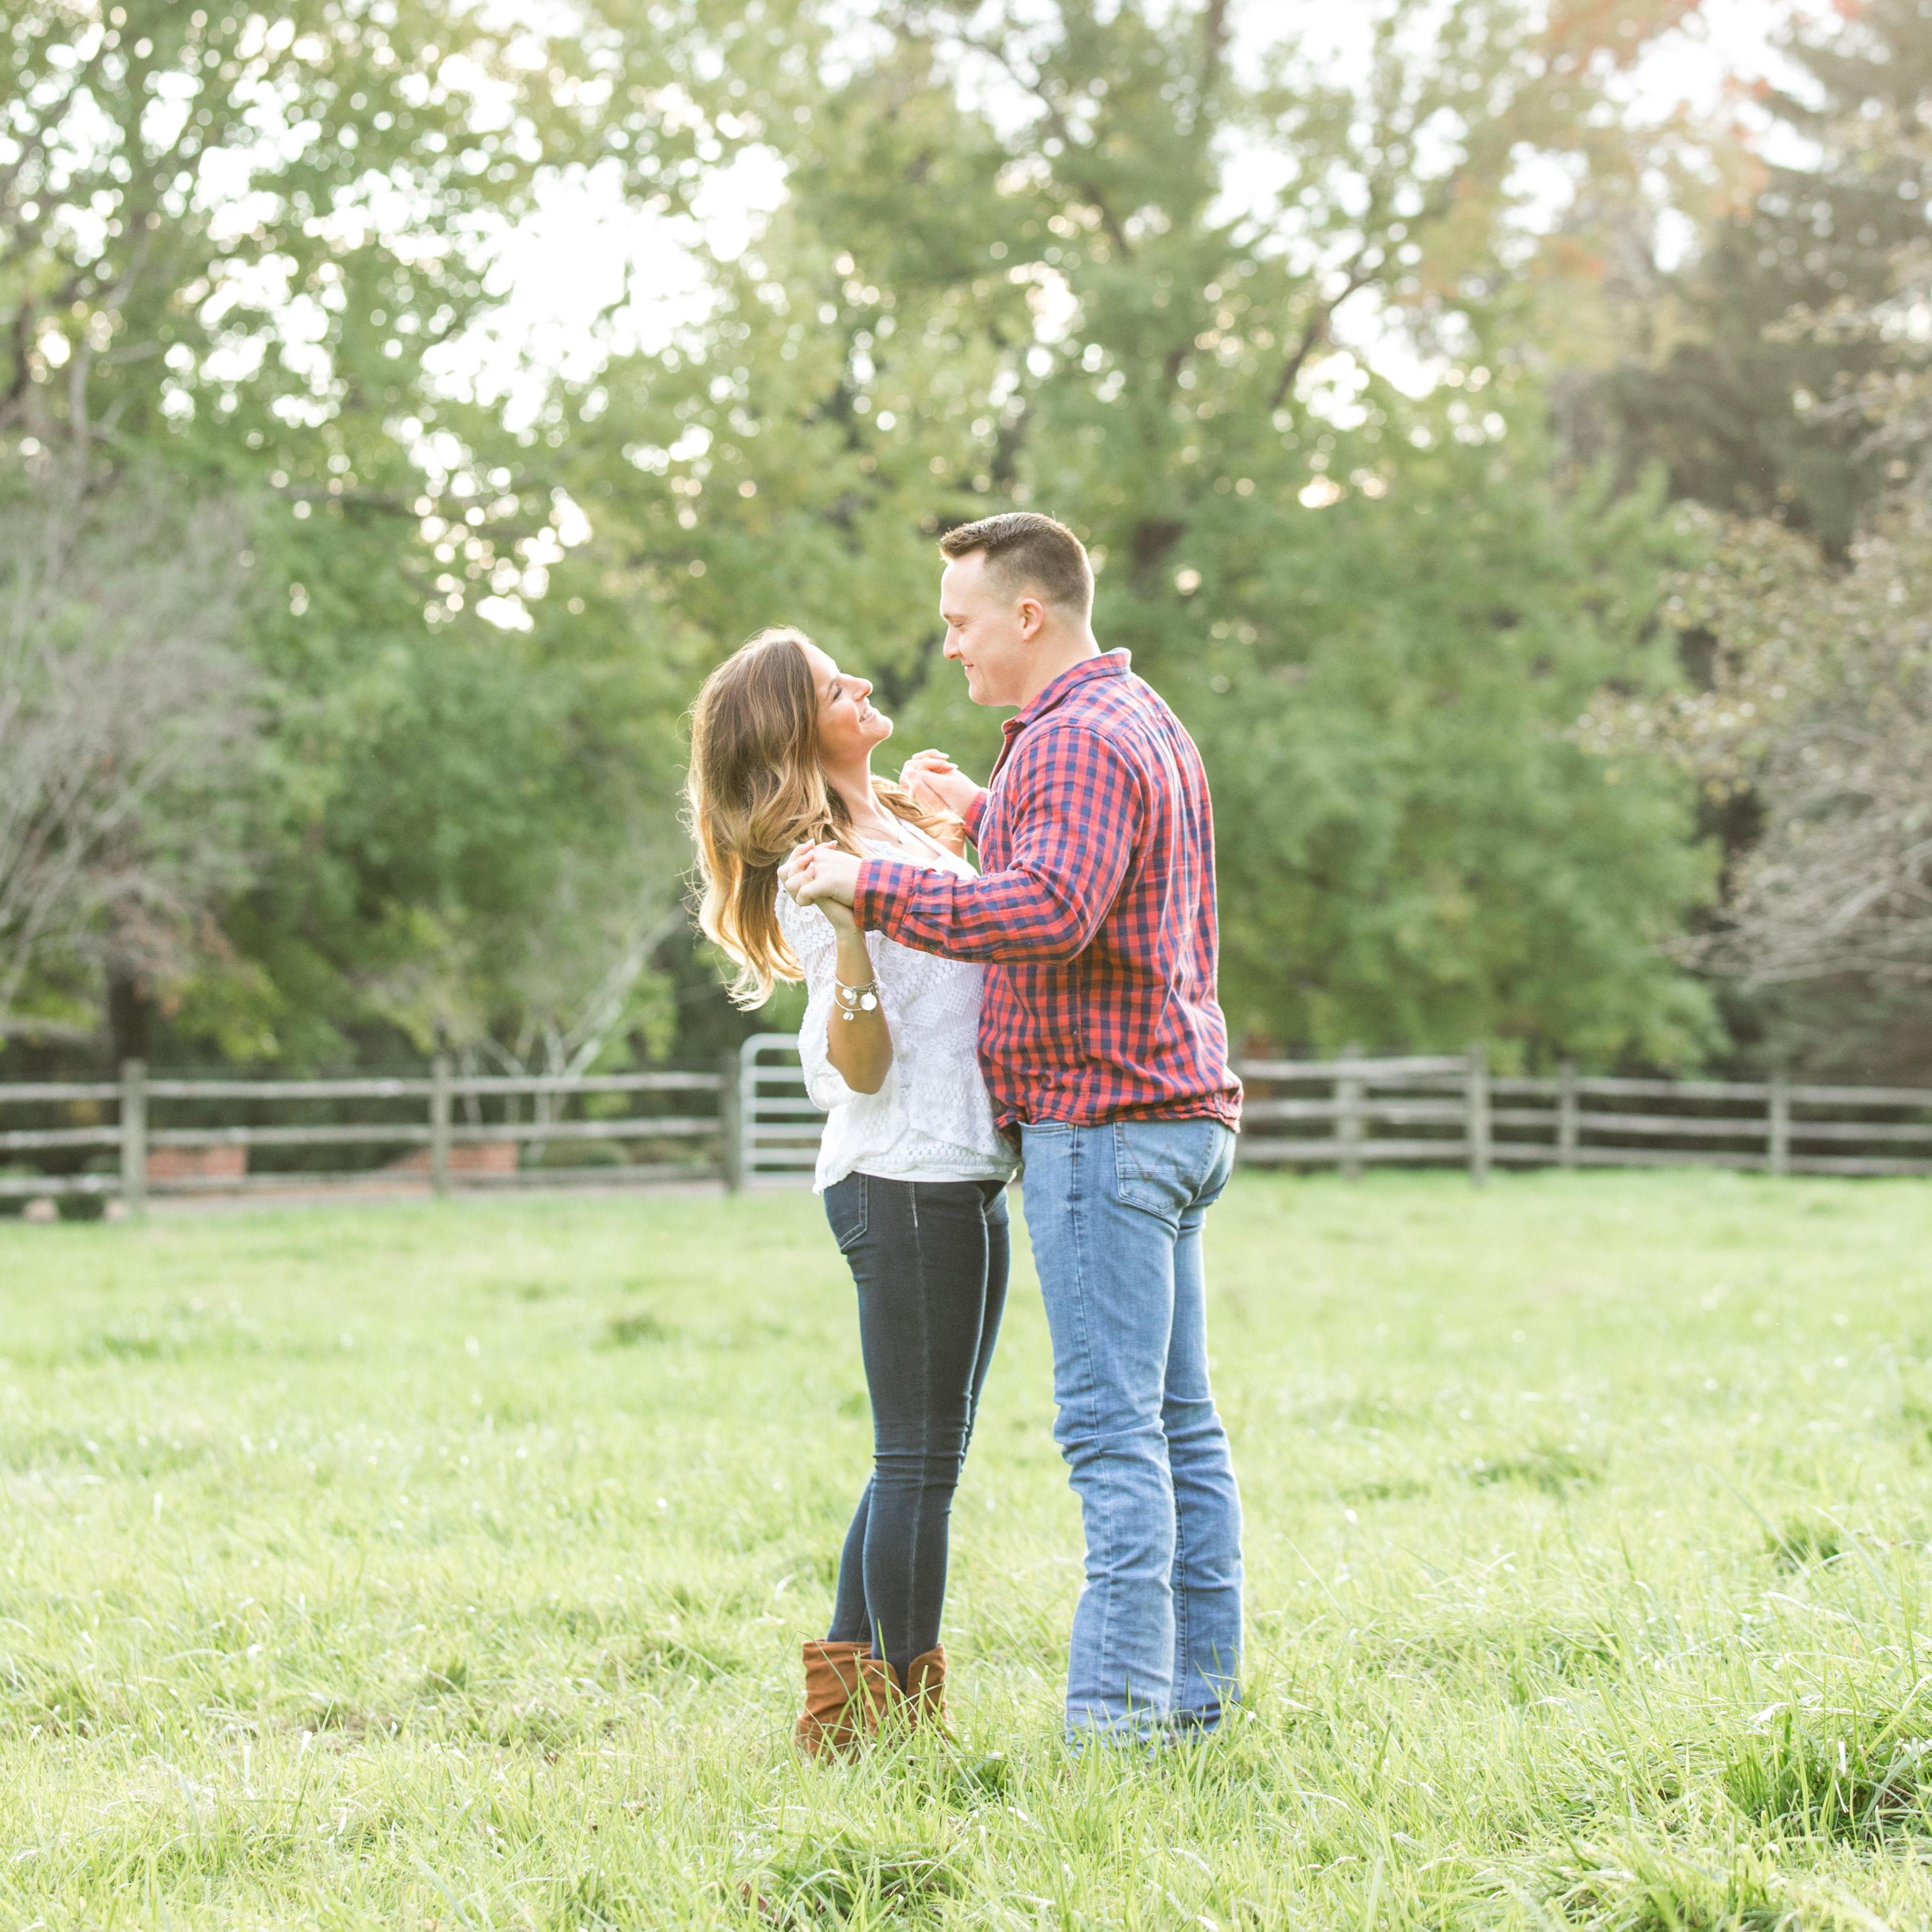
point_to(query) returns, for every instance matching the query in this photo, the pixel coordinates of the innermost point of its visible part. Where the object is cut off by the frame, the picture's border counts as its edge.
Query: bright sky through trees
(587, 255)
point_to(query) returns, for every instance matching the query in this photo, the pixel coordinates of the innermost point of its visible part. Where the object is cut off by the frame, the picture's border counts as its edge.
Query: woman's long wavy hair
(756, 789)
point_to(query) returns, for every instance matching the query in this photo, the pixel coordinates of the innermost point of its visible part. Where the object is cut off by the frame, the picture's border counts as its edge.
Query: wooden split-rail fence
(1354, 1111)
(1449, 1110)
(140, 1135)
(750, 1123)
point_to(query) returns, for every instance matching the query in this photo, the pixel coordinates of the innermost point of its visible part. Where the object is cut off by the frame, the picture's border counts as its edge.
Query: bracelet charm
(853, 1001)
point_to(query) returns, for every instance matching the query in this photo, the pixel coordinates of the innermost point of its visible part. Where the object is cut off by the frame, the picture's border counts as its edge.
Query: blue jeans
(1115, 1212)
(929, 1258)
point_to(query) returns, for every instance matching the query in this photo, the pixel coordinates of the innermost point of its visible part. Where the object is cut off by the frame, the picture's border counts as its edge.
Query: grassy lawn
(445, 1566)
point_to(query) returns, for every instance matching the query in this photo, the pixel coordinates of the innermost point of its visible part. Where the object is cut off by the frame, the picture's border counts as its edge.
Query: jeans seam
(972, 1374)
(1076, 1227)
(924, 1288)
(1178, 1589)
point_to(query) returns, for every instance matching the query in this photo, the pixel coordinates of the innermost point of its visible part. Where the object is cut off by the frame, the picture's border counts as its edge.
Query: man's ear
(1033, 616)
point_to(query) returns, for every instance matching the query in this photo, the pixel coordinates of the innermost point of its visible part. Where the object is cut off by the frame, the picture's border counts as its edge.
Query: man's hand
(937, 783)
(822, 876)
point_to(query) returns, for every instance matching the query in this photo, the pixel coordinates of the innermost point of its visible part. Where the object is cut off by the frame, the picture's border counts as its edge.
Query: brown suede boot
(846, 1690)
(925, 1689)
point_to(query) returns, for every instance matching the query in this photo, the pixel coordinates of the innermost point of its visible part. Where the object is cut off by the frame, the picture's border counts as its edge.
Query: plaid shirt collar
(1108, 663)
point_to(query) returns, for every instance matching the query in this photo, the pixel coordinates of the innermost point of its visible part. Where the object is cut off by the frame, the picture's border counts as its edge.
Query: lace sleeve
(809, 934)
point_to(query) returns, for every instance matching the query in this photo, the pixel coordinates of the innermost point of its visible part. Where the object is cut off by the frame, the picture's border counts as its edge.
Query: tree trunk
(131, 1013)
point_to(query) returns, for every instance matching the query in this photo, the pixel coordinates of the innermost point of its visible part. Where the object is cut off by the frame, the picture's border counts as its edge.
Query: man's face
(989, 629)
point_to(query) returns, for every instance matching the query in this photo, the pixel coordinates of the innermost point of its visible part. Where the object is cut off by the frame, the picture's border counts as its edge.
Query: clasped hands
(823, 876)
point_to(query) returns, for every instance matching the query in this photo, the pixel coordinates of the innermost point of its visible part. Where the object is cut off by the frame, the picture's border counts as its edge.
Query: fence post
(1479, 1115)
(1566, 1115)
(439, 1124)
(1348, 1091)
(134, 1136)
(731, 1117)
(1780, 1124)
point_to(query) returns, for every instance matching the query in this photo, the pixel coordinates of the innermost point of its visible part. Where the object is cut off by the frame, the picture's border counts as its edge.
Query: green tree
(1813, 728)
(1750, 415)
(1111, 289)
(127, 738)
(233, 245)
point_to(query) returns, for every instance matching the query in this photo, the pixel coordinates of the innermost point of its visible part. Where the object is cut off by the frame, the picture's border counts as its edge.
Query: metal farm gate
(778, 1128)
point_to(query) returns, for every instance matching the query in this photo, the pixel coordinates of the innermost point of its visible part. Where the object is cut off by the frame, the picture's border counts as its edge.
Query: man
(1104, 1047)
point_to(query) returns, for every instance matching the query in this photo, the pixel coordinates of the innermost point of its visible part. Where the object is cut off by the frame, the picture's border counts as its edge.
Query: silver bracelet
(853, 1001)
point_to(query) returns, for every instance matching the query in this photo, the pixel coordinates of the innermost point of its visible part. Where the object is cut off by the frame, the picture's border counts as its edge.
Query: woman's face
(848, 727)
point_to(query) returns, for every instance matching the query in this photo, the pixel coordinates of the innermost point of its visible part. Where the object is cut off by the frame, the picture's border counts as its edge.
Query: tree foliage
(127, 737)
(1817, 708)
(1822, 705)
(1722, 377)
(1108, 259)
(237, 247)
(1079, 259)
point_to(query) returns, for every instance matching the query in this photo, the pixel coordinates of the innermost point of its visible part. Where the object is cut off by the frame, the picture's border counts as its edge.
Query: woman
(911, 1166)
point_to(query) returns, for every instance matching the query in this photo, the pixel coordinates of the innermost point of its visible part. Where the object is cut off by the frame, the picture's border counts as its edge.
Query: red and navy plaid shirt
(1094, 911)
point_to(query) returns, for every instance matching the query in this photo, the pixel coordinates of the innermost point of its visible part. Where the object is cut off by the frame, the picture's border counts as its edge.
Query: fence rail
(437, 1130)
(1480, 1120)
(760, 1127)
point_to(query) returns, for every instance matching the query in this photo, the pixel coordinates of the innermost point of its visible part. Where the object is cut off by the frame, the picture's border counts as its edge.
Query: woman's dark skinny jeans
(930, 1260)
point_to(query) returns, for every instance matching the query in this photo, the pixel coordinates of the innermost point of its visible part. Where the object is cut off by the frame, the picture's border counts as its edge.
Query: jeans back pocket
(1165, 1167)
(848, 1208)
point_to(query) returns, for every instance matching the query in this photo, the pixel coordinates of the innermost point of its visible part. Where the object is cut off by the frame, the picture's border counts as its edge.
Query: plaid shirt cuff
(975, 814)
(884, 888)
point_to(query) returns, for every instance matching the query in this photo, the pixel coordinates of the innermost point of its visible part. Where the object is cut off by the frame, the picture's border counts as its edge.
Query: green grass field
(445, 1566)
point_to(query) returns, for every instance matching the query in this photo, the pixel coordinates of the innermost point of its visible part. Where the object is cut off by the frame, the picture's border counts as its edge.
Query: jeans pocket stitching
(1134, 1187)
(1129, 1181)
(848, 1237)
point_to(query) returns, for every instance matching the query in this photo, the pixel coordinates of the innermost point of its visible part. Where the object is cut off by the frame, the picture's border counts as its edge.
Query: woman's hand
(937, 783)
(799, 876)
(820, 873)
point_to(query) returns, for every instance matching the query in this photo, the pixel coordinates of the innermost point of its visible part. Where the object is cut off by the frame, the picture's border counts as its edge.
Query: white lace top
(930, 1120)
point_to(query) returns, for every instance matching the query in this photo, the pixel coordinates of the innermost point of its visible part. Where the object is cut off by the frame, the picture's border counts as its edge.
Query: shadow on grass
(1848, 1775)
(1556, 1472)
(834, 1880)
(1639, 1887)
(1804, 1541)
(636, 1331)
